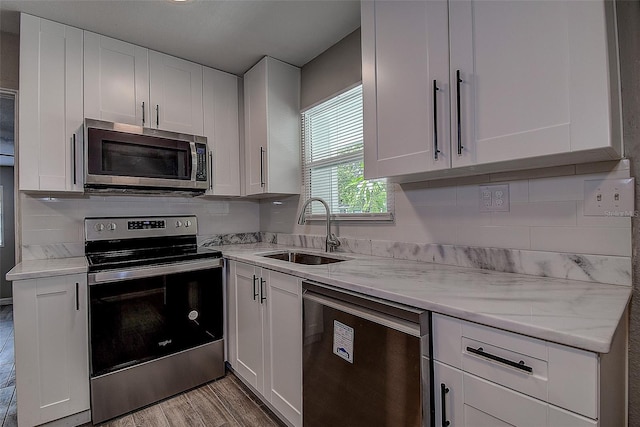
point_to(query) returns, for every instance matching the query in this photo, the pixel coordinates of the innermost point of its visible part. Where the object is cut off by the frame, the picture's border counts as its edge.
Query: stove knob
(178, 223)
(187, 223)
(99, 227)
(111, 226)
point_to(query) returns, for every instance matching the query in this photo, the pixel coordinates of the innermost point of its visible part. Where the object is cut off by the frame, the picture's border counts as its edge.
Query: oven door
(142, 318)
(139, 157)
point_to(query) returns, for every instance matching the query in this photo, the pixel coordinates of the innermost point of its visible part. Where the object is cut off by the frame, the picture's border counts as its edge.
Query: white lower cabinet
(51, 348)
(489, 377)
(265, 320)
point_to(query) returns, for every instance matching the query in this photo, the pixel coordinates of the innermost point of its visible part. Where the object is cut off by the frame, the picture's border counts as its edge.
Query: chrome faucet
(331, 242)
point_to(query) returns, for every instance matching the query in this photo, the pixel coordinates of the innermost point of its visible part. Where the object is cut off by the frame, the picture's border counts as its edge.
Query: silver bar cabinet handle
(143, 120)
(157, 115)
(77, 296)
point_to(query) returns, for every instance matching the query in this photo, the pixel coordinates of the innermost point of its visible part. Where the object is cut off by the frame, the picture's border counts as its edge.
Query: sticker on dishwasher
(343, 341)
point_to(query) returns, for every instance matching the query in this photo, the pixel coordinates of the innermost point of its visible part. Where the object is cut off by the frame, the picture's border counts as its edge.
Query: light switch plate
(494, 198)
(609, 197)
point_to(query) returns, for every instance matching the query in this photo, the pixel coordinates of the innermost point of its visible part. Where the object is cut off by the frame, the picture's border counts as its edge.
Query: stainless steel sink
(303, 258)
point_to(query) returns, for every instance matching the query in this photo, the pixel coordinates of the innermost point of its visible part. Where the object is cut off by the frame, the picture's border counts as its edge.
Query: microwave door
(127, 159)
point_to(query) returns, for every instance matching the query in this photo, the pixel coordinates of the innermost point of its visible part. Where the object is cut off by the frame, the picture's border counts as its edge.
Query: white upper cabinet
(272, 128)
(175, 91)
(116, 80)
(220, 105)
(125, 83)
(535, 79)
(50, 107)
(508, 84)
(405, 78)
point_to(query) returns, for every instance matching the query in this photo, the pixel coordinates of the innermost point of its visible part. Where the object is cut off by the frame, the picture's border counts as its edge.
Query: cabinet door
(405, 56)
(51, 112)
(255, 128)
(248, 321)
(534, 79)
(116, 80)
(560, 417)
(491, 405)
(51, 348)
(449, 396)
(175, 94)
(272, 128)
(220, 104)
(283, 344)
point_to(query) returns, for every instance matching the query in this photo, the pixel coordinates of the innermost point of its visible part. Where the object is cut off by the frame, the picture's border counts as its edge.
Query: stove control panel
(146, 224)
(136, 227)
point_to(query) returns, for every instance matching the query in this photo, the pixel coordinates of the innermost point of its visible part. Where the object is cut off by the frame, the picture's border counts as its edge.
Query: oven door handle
(152, 271)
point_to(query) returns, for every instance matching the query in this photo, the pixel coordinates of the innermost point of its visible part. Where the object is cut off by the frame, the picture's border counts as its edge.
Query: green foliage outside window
(357, 195)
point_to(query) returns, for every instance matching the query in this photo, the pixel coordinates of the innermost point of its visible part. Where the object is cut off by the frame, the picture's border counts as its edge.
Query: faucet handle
(332, 242)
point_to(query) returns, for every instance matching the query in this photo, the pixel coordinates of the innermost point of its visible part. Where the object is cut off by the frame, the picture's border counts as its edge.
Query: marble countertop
(47, 267)
(575, 313)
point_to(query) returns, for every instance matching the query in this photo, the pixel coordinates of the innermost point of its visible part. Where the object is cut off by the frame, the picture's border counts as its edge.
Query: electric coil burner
(155, 311)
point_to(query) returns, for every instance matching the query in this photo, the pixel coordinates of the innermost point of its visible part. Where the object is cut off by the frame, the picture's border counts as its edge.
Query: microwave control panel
(201, 167)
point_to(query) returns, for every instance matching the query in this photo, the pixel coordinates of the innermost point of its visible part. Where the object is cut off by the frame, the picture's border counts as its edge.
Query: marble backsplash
(592, 268)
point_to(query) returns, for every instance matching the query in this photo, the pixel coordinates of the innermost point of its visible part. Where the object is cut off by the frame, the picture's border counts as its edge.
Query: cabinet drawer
(561, 375)
(494, 364)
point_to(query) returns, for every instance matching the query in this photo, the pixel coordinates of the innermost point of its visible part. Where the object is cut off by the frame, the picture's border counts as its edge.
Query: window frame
(386, 217)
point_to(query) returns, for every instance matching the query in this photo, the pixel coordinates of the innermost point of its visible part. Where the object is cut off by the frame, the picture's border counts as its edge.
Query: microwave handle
(194, 161)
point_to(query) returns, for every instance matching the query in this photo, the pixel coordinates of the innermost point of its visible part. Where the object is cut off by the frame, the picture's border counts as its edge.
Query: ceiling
(229, 35)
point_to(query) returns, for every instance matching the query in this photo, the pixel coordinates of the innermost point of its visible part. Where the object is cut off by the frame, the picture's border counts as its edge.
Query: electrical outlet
(609, 197)
(494, 198)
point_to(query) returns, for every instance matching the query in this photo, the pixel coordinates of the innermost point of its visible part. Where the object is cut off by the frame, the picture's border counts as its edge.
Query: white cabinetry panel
(405, 52)
(50, 107)
(220, 105)
(51, 345)
(175, 94)
(272, 128)
(116, 83)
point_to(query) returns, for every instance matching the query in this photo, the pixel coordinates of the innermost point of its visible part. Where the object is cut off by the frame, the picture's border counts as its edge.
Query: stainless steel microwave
(121, 157)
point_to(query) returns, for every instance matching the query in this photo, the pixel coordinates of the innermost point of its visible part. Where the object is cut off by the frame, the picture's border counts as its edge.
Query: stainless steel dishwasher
(362, 361)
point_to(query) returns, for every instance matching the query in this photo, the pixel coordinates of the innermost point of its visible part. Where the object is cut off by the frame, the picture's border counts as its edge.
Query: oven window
(126, 159)
(139, 320)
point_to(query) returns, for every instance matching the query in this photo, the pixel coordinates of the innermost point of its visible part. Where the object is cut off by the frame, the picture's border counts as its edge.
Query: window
(333, 163)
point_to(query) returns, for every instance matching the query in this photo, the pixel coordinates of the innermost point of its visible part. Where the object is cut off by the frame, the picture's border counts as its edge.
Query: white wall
(53, 220)
(545, 215)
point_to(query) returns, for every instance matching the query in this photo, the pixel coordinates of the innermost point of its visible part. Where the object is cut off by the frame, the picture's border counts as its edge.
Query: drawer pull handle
(459, 123)
(263, 298)
(436, 151)
(518, 365)
(444, 390)
(255, 293)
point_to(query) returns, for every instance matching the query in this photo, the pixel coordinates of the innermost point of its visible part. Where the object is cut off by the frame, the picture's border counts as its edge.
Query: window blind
(333, 163)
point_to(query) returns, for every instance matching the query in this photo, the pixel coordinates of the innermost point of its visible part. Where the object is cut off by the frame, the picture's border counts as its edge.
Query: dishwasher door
(361, 363)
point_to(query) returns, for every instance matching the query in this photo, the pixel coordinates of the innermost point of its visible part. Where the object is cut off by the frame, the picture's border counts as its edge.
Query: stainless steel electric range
(155, 311)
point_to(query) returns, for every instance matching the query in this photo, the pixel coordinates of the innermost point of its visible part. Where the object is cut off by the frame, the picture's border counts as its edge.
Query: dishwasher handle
(383, 319)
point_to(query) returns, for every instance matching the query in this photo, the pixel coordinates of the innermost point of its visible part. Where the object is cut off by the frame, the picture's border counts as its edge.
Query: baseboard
(6, 301)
